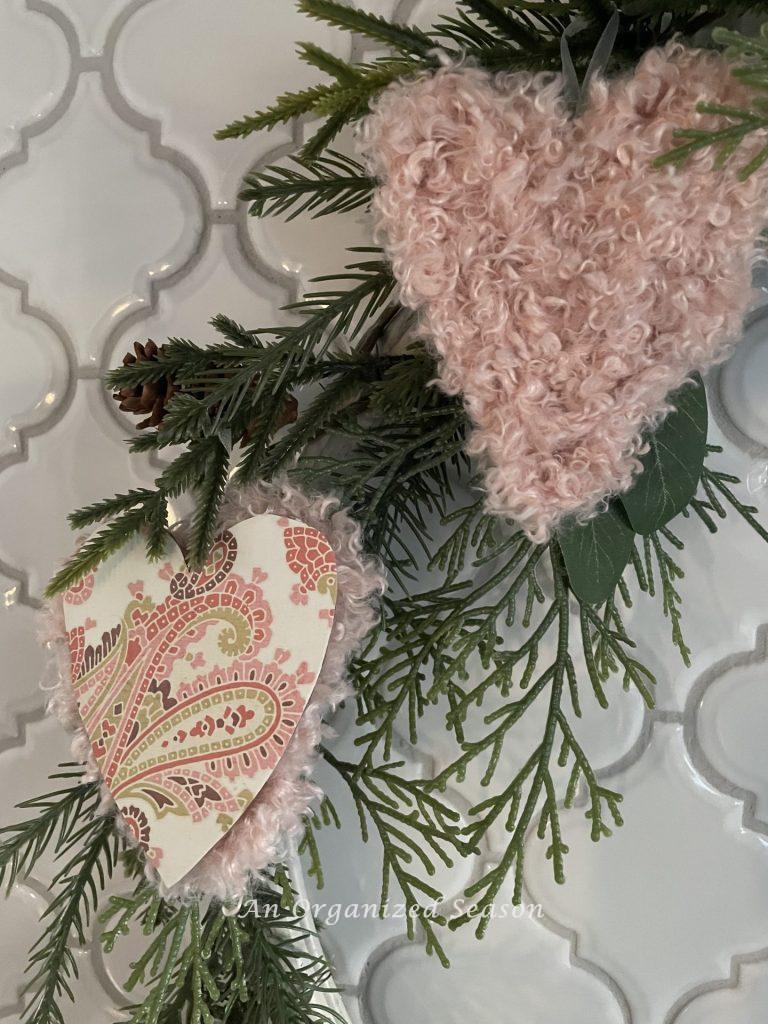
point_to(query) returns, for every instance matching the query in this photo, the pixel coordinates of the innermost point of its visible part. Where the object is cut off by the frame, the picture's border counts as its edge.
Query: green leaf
(672, 466)
(596, 553)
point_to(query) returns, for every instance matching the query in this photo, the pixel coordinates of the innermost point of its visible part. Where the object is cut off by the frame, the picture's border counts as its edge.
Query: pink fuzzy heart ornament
(567, 285)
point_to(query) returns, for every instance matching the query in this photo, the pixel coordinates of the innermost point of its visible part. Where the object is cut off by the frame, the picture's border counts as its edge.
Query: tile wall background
(120, 221)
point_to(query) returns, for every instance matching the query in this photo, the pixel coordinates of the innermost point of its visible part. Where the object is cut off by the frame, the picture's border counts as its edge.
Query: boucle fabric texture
(262, 835)
(567, 285)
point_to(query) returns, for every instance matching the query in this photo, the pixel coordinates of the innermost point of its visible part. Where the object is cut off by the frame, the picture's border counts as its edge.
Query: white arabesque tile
(80, 460)
(731, 719)
(93, 218)
(742, 1002)
(22, 663)
(519, 971)
(665, 902)
(34, 53)
(241, 61)
(35, 370)
(221, 282)
(742, 381)
(91, 19)
(22, 908)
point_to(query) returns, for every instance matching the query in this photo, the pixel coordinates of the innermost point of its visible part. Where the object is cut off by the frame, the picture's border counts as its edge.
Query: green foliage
(596, 553)
(672, 466)
(206, 965)
(741, 123)
(404, 38)
(414, 827)
(324, 816)
(109, 540)
(519, 34)
(92, 850)
(331, 184)
(57, 816)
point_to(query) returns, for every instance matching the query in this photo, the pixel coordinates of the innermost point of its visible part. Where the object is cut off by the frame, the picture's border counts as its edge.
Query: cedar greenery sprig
(200, 965)
(206, 965)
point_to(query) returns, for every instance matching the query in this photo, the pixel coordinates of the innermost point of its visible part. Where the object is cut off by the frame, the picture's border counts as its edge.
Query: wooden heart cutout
(567, 284)
(190, 684)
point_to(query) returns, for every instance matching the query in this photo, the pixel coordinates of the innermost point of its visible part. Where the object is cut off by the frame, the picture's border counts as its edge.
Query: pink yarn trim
(262, 834)
(566, 284)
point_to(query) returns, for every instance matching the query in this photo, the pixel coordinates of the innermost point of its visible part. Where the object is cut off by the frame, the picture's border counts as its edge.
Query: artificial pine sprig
(740, 123)
(331, 184)
(93, 852)
(57, 816)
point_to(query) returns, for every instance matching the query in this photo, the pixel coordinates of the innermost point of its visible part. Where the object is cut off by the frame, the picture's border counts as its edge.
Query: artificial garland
(341, 399)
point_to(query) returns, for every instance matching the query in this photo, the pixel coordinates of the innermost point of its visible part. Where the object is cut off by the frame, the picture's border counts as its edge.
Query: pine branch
(209, 497)
(503, 20)
(52, 962)
(332, 312)
(340, 98)
(103, 544)
(741, 124)
(332, 184)
(405, 38)
(285, 108)
(309, 425)
(57, 816)
(328, 63)
(108, 508)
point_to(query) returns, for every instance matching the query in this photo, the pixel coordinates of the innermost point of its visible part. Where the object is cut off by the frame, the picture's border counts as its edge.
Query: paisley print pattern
(191, 691)
(310, 556)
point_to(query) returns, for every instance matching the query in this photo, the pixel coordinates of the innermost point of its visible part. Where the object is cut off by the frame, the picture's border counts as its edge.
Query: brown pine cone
(147, 400)
(150, 400)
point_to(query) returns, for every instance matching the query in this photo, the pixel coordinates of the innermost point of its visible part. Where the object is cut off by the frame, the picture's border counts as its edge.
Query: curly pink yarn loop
(567, 285)
(261, 836)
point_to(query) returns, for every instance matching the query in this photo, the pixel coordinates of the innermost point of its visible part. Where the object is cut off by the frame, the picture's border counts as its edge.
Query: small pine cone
(147, 400)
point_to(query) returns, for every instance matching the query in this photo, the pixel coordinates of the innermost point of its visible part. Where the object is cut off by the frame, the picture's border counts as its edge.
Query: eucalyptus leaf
(596, 553)
(672, 465)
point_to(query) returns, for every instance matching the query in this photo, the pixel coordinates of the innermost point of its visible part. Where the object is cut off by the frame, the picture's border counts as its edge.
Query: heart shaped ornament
(568, 285)
(190, 684)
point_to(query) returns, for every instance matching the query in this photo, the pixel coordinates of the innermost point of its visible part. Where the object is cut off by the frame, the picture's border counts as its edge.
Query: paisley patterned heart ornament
(191, 684)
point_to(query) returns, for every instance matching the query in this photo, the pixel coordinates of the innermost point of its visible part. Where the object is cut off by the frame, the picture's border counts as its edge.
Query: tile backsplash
(120, 221)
